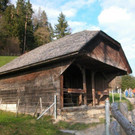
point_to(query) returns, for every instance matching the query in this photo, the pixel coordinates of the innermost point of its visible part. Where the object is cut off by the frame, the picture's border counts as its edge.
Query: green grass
(117, 99)
(72, 126)
(6, 59)
(27, 125)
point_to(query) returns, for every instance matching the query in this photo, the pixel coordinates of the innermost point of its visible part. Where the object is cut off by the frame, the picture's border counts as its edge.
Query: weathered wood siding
(109, 55)
(101, 88)
(29, 87)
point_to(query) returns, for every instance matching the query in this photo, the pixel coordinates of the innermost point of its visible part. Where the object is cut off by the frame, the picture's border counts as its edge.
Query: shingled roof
(56, 49)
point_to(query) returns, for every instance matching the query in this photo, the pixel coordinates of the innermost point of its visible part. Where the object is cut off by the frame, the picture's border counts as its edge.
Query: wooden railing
(123, 121)
(71, 90)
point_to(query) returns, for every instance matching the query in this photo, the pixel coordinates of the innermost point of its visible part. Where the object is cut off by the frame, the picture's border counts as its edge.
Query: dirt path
(96, 130)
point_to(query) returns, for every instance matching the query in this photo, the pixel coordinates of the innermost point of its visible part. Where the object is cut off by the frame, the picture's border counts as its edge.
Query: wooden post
(18, 102)
(124, 122)
(0, 101)
(120, 94)
(36, 109)
(93, 88)
(84, 86)
(40, 105)
(80, 99)
(61, 91)
(113, 128)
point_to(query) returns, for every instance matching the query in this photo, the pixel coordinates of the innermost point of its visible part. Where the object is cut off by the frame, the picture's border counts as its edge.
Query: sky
(114, 17)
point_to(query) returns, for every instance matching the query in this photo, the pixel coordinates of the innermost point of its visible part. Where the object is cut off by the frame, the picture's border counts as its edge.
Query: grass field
(28, 125)
(5, 59)
(117, 99)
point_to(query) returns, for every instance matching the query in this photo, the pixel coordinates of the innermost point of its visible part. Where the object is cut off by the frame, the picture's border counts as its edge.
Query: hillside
(6, 59)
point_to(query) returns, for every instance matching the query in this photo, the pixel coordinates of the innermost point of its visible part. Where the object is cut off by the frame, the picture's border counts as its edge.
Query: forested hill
(22, 30)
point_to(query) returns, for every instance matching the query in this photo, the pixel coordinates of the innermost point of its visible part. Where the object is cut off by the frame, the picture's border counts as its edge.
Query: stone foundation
(82, 114)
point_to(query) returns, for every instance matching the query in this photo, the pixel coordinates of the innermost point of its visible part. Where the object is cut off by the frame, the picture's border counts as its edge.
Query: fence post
(36, 108)
(18, 102)
(124, 122)
(113, 128)
(120, 95)
(55, 107)
(107, 116)
(40, 105)
(0, 101)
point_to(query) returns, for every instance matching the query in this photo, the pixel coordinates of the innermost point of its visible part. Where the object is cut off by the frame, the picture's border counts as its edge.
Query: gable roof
(70, 44)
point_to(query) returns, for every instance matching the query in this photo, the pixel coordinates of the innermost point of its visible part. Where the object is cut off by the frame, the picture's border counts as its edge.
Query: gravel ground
(97, 130)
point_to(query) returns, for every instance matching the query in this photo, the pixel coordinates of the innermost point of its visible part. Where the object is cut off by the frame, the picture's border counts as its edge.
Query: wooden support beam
(70, 90)
(61, 91)
(84, 86)
(93, 88)
(80, 99)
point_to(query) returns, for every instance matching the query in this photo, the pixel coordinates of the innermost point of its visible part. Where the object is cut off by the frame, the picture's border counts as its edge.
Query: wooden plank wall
(30, 87)
(101, 86)
(108, 55)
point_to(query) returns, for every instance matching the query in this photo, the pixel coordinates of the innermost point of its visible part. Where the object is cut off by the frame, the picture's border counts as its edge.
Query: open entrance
(73, 87)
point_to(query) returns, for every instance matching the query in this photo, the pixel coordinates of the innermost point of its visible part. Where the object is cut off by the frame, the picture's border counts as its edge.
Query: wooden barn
(76, 68)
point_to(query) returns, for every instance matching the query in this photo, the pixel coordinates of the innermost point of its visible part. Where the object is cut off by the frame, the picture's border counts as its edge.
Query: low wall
(83, 114)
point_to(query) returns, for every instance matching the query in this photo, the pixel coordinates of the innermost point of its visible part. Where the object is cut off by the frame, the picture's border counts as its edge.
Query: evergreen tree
(3, 17)
(62, 28)
(3, 5)
(29, 27)
(51, 31)
(24, 27)
(8, 19)
(7, 29)
(20, 22)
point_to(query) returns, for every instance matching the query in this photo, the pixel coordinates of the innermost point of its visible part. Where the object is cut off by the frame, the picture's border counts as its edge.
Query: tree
(42, 33)
(24, 27)
(128, 81)
(62, 28)
(116, 83)
(3, 5)
(51, 31)
(29, 34)
(20, 22)
(9, 44)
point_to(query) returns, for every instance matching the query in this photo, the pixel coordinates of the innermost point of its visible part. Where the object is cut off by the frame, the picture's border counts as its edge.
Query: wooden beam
(61, 91)
(84, 86)
(70, 90)
(80, 99)
(93, 88)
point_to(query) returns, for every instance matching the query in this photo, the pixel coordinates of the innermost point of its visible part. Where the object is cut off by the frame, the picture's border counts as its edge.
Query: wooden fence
(123, 121)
